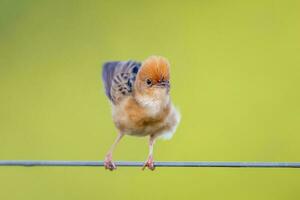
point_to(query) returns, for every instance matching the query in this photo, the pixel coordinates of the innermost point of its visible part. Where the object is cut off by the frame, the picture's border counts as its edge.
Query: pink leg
(149, 163)
(108, 163)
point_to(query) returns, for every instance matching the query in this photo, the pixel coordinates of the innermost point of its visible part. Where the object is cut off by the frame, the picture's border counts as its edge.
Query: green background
(235, 79)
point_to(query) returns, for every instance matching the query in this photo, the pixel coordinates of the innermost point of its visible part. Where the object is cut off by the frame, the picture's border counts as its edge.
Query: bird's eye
(149, 82)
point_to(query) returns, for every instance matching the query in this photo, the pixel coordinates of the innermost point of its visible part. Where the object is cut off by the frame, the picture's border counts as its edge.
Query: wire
(29, 163)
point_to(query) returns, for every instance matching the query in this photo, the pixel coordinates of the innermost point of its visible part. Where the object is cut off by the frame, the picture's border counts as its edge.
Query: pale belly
(142, 123)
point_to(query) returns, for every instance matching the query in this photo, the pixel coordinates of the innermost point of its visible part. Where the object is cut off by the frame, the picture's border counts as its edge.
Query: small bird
(140, 100)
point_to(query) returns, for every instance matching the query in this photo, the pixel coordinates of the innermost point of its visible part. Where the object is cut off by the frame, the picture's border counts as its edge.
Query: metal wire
(29, 163)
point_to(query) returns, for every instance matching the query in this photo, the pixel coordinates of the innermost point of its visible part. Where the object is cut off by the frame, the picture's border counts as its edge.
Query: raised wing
(118, 78)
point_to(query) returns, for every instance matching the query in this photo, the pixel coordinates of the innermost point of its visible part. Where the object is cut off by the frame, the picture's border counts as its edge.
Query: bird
(139, 94)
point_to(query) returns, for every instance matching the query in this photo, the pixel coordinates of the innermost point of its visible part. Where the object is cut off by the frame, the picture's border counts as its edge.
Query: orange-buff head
(153, 77)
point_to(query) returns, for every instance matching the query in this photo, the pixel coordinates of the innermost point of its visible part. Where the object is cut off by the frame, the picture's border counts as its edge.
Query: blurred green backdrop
(235, 78)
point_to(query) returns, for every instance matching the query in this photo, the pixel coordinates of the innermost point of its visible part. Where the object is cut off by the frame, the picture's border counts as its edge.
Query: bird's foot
(149, 164)
(109, 164)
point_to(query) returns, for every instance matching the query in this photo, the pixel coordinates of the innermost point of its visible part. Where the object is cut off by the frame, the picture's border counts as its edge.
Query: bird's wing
(118, 78)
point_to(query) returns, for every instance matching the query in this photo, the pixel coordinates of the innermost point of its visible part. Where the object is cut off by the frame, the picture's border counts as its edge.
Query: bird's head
(153, 78)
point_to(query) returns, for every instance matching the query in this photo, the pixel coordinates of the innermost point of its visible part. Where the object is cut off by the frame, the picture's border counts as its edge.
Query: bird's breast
(133, 119)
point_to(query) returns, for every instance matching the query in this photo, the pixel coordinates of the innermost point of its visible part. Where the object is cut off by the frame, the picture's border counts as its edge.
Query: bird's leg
(149, 163)
(108, 163)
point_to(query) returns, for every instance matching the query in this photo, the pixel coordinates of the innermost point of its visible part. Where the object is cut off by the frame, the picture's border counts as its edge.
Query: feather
(118, 78)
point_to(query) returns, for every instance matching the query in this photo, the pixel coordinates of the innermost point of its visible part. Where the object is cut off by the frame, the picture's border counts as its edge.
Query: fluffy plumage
(141, 105)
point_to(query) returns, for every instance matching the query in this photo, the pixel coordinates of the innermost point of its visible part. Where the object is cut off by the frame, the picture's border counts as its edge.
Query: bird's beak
(164, 84)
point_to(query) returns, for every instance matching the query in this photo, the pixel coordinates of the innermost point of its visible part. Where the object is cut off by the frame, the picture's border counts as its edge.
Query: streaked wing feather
(118, 78)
